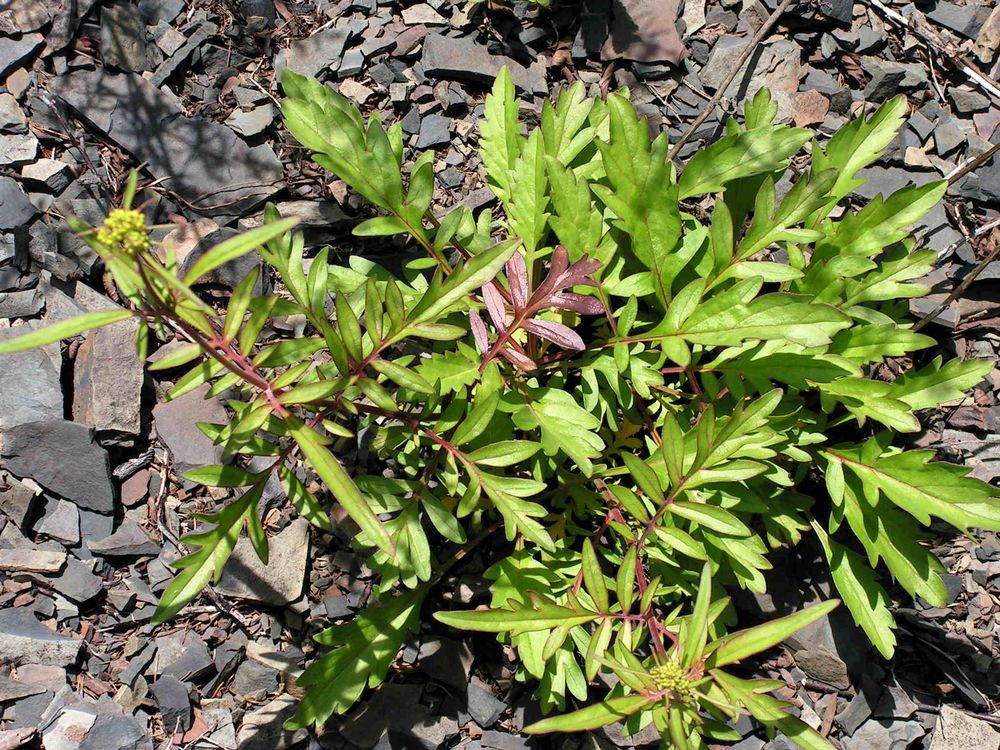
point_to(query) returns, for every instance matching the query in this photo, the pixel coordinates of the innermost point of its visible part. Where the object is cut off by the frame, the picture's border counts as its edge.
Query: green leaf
(221, 476)
(362, 653)
(593, 578)
(63, 330)
(500, 135)
(215, 546)
(236, 247)
(644, 476)
(504, 453)
(402, 376)
(711, 517)
(745, 154)
(935, 385)
(517, 618)
(695, 634)
(340, 484)
(864, 596)
(565, 426)
(738, 646)
(608, 711)
(179, 356)
(526, 208)
(380, 226)
(871, 398)
(473, 274)
(302, 500)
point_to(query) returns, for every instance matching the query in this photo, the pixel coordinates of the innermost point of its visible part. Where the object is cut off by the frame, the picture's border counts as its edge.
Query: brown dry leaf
(644, 31)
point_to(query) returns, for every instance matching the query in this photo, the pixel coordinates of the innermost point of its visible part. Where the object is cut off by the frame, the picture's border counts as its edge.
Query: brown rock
(811, 107)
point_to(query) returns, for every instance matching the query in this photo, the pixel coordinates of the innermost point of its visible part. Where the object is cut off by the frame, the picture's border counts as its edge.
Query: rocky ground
(91, 504)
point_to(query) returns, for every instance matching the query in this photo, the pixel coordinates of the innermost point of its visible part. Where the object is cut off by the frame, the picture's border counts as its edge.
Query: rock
(16, 501)
(483, 705)
(310, 213)
(175, 423)
(886, 78)
(263, 728)
(29, 385)
(209, 165)
(51, 175)
(962, 19)
(174, 703)
(31, 561)
(725, 54)
(23, 16)
(12, 690)
(199, 33)
(115, 732)
(895, 704)
(463, 59)
(184, 656)
(948, 136)
(15, 208)
(956, 730)
(18, 149)
(824, 665)
(356, 92)
(446, 661)
(255, 680)
(107, 383)
(60, 522)
(503, 740)
(391, 707)
(838, 10)
(168, 38)
(810, 108)
(123, 37)
(13, 51)
(18, 82)
(21, 633)
(77, 582)
(153, 12)
(12, 119)
(253, 121)
(129, 540)
(280, 581)
(966, 101)
(69, 727)
(435, 130)
(423, 14)
(314, 54)
(63, 457)
(885, 735)
(21, 304)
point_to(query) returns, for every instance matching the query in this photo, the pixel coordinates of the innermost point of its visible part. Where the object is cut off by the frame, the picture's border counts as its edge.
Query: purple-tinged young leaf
(561, 276)
(519, 360)
(517, 279)
(494, 305)
(557, 333)
(579, 303)
(479, 332)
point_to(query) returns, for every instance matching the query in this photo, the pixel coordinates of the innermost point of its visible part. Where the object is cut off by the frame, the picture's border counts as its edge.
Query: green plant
(649, 383)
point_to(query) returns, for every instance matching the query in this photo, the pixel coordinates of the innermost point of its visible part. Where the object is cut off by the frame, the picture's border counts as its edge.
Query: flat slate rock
(62, 457)
(176, 425)
(113, 732)
(280, 581)
(310, 56)
(12, 690)
(207, 163)
(29, 385)
(13, 51)
(15, 208)
(128, 541)
(21, 633)
(463, 59)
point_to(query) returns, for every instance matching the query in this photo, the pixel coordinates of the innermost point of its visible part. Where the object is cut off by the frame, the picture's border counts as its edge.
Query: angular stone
(956, 730)
(29, 385)
(21, 633)
(49, 174)
(312, 55)
(13, 51)
(885, 735)
(61, 522)
(255, 680)
(107, 381)
(209, 165)
(21, 304)
(63, 457)
(423, 14)
(463, 59)
(838, 10)
(23, 16)
(280, 581)
(115, 732)
(263, 728)
(446, 660)
(962, 19)
(12, 690)
(77, 582)
(153, 12)
(966, 101)
(176, 425)
(195, 40)
(483, 705)
(129, 540)
(123, 37)
(69, 727)
(16, 501)
(174, 703)
(435, 130)
(824, 665)
(310, 213)
(182, 655)
(15, 208)
(18, 149)
(31, 561)
(251, 122)
(12, 119)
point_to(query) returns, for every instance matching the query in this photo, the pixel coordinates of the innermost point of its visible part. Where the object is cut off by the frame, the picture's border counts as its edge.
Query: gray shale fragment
(208, 164)
(21, 633)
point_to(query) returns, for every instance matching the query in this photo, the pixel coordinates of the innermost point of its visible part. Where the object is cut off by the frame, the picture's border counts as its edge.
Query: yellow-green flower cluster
(126, 227)
(671, 676)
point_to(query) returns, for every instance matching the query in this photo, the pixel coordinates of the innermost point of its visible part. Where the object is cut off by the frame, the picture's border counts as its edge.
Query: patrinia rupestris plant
(647, 376)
